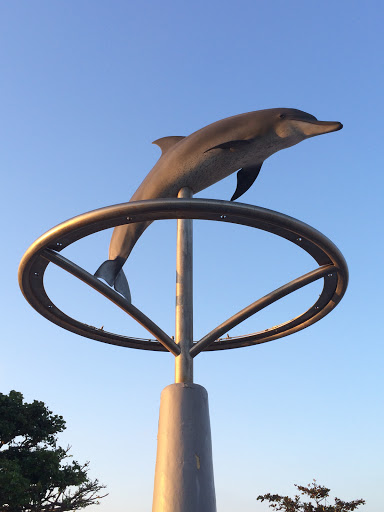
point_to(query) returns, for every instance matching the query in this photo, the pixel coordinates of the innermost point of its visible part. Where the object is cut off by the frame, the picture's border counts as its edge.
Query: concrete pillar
(184, 468)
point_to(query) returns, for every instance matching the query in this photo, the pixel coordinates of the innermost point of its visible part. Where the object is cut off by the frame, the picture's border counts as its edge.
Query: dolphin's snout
(327, 127)
(333, 126)
(313, 128)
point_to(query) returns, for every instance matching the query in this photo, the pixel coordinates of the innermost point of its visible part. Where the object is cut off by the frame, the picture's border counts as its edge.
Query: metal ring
(333, 269)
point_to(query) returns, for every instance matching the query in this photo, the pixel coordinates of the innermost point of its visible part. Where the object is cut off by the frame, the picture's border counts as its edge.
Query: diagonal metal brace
(116, 298)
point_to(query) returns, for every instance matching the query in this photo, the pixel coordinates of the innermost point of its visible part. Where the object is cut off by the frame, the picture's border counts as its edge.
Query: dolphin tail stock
(111, 271)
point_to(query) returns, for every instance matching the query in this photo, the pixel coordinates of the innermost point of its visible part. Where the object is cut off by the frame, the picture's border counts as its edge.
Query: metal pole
(184, 469)
(184, 296)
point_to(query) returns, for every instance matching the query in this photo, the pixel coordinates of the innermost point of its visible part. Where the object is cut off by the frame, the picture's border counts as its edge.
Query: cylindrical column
(184, 469)
(184, 296)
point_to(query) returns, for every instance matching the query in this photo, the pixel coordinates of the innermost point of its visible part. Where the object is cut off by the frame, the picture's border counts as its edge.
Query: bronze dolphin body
(239, 143)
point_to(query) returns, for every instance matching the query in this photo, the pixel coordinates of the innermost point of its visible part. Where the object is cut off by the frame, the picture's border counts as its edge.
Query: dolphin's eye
(283, 116)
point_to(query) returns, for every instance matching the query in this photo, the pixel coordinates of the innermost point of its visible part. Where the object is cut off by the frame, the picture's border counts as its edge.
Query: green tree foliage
(318, 495)
(35, 475)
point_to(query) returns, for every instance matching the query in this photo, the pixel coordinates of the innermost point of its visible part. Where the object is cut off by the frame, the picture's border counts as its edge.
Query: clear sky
(85, 87)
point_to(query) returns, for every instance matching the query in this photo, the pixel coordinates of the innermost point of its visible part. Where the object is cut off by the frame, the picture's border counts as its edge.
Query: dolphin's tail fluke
(113, 274)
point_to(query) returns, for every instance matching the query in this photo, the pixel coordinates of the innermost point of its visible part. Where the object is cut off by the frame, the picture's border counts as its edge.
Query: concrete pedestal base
(184, 468)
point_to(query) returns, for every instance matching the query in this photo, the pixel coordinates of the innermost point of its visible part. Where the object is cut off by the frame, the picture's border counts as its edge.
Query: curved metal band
(333, 269)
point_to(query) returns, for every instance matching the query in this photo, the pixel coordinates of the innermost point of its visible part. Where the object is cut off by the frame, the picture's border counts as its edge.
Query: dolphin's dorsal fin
(166, 143)
(245, 178)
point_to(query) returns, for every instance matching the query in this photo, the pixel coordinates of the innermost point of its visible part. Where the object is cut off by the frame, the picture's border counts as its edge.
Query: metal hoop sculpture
(332, 268)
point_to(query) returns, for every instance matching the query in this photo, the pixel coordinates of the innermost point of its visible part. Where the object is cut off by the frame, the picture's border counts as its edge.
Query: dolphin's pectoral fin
(166, 143)
(113, 274)
(232, 145)
(245, 179)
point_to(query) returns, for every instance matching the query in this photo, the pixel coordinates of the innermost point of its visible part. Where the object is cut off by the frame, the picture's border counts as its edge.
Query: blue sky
(85, 87)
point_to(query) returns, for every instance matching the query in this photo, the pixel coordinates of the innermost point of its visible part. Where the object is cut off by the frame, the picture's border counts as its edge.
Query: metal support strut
(184, 295)
(184, 480)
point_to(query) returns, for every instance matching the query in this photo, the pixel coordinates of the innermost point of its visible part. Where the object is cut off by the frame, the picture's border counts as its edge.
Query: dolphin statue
(239, 143)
